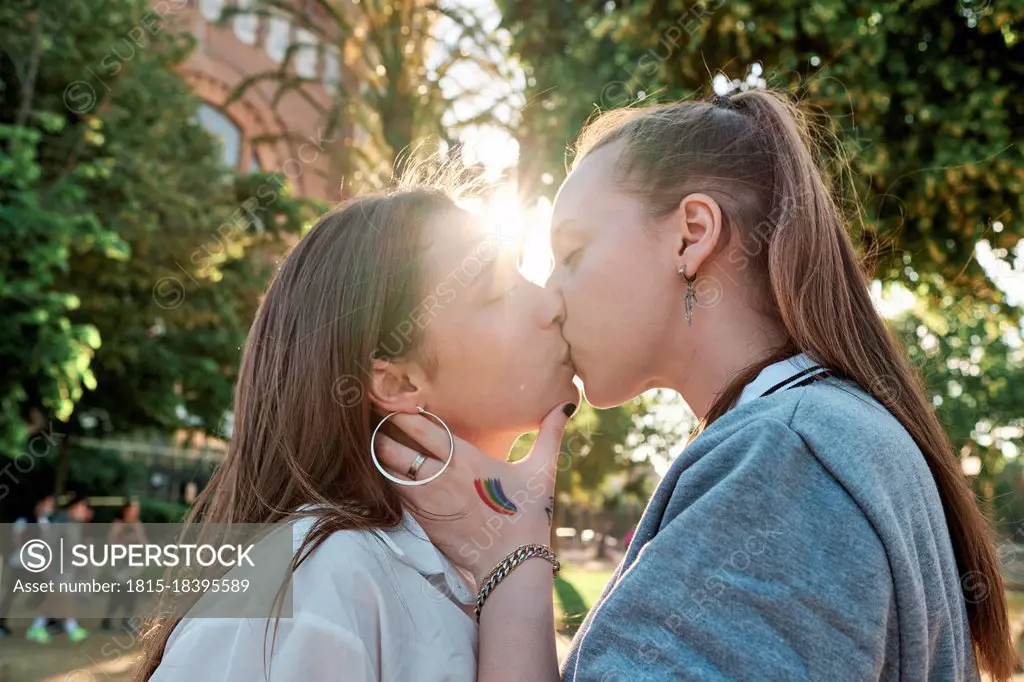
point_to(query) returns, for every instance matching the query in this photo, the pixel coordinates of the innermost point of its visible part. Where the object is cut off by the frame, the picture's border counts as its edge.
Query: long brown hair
(756, 154)
(303, 419)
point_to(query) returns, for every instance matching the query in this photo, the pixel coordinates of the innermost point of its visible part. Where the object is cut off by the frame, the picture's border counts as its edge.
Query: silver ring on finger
(414, 468)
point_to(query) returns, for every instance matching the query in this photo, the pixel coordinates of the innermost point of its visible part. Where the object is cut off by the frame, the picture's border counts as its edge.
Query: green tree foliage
(133, 261)
(922, 99)
(971, 363)
(45, 356)
(572, 69)
(925, 98)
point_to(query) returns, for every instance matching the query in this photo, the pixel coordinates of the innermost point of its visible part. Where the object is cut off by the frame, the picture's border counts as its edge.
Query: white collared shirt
(779, 376)
(367, 606)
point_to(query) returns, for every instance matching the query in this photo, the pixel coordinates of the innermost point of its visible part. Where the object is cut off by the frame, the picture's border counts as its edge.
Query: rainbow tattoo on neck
(489, 490)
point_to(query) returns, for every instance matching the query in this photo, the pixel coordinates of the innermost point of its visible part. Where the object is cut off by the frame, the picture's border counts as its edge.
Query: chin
(603, 389)
(526, 417)
(603, 396)
(565, 392)
(595, 400)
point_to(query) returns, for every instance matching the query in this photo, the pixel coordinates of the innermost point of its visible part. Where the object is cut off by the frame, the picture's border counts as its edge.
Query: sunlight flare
(516, 227)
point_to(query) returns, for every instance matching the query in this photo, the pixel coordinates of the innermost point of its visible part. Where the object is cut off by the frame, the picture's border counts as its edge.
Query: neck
(721, 344)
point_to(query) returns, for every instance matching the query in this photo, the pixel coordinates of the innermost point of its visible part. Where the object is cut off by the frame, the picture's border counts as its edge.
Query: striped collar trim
(798, 370)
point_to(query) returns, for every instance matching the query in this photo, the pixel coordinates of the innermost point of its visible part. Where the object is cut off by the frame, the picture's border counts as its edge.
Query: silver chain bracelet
(505, 566)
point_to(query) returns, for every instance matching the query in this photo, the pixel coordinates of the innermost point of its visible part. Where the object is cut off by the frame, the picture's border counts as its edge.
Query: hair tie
(721, 101)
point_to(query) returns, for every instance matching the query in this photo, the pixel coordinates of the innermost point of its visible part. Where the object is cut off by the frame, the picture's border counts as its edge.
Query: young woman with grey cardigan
(818, 525)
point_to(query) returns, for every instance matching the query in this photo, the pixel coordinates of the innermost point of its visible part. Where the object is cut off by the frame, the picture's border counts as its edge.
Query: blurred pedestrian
(24, 529)
(70, 519)
(125, 530)
(628, 537)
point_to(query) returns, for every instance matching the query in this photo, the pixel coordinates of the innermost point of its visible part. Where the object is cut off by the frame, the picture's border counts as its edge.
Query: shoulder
(750, 534)
(868, 451)
(828, 449)
(340, 589)
(766, 485)
(855, 440)
(759, 469)
(834, 412)
(347, 563)
(798, 459)
(248, 649)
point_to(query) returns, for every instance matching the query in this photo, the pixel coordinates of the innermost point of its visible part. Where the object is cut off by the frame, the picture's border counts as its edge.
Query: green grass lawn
(576, 590)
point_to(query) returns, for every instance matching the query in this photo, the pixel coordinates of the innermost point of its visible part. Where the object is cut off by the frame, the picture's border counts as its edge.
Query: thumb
(549, 438)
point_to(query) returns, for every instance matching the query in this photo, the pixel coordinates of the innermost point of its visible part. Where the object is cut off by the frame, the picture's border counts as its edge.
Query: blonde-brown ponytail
(753, 153)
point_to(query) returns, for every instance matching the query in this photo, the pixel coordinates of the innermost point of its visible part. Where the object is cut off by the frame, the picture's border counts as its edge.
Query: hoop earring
(691, 296)
(401, 481)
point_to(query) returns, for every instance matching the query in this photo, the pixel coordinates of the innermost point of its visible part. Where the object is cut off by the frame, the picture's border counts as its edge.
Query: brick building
(247, 45)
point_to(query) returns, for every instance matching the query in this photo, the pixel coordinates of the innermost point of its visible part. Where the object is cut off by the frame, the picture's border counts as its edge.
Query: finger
(393, 454)
(406, 492)
(549, 438)
(426, 432)
(398, 458)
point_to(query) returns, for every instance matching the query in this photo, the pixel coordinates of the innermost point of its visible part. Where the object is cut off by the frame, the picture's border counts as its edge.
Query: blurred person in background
(126, 529)
(24, 529)
(67, 525)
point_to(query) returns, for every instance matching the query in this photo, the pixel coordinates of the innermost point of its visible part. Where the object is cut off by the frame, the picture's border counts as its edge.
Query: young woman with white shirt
(394, 303)
(818, 525)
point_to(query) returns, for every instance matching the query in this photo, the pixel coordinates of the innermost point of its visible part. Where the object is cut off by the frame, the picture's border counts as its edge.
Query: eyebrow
(559, 229)
(486, 272)
(462, 274)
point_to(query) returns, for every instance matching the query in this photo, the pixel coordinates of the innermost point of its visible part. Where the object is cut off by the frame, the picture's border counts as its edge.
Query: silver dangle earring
(691, 296)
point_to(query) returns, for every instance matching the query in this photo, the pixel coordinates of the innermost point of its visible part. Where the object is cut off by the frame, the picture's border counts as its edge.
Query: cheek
(473, 359)
(618, 305)
(615, 289)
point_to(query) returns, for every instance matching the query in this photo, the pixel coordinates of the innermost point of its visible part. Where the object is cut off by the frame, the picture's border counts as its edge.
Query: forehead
(591, 185)
(451, 238)
(592, 201)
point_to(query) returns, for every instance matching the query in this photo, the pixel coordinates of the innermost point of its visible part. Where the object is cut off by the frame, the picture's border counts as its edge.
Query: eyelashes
(571, 257)
(504, 294)
(507, 281)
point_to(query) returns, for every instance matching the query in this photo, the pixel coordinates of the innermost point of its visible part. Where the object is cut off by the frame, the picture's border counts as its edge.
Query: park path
(100, 658)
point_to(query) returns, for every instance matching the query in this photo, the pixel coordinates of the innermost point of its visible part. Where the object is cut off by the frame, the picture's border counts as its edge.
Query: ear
(396, 386)
(699, 223)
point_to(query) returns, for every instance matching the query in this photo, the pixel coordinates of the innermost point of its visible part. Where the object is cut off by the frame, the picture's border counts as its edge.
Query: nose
(554, 279)
(552, 307)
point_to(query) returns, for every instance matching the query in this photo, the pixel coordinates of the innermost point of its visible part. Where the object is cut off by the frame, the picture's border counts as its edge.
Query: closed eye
(504, 294)
(570, 258)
